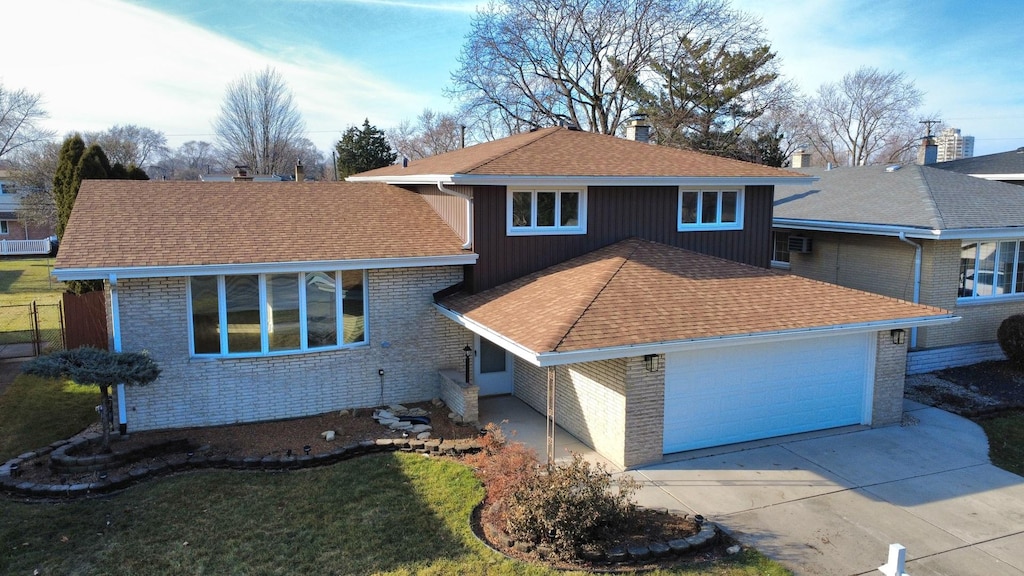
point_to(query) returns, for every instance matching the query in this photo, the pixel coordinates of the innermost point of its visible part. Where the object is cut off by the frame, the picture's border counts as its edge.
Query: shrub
(1011, 339)
(502, 465)
(572, 505)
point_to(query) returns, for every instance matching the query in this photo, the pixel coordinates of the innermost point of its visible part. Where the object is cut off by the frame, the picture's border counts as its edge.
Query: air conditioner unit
(800, 244)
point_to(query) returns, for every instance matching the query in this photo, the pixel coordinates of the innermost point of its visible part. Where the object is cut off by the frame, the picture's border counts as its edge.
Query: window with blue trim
(991, 268)
(256, 314)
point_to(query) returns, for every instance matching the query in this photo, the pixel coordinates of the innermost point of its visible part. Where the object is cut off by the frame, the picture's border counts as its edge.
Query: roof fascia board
(575, 357)
(1011, 176)
(481, 330)
(64, 274)
(884, 230)
(431, 179)
(857, 228)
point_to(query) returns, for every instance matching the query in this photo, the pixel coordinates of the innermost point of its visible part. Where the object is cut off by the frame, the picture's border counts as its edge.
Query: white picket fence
(24, 247)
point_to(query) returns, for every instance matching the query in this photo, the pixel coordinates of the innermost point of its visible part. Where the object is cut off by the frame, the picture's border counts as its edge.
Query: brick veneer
(890, 372)
(408, 338)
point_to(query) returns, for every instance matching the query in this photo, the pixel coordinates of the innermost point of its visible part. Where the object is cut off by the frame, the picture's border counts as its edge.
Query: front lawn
(385, 514)
(36, 411)
(1005, 440)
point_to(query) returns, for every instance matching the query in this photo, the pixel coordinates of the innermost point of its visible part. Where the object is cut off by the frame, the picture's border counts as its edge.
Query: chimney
(300, 171)
(801, 159)
(638, 129)
(242, 175)
(928, 153)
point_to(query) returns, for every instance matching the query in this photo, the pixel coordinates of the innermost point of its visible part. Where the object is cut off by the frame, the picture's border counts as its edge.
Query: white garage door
(730, 394)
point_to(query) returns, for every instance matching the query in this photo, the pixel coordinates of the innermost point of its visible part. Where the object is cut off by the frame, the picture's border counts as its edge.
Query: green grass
(35, 412)
(23, 280)
(1006, 440)
(384, 514)
(381, 514)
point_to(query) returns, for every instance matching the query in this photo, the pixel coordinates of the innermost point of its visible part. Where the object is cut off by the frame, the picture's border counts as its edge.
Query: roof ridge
(540, 134)
(931, 197)
(625, 260)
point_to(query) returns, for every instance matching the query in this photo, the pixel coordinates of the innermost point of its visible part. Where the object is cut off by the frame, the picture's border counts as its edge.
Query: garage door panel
(737, 393)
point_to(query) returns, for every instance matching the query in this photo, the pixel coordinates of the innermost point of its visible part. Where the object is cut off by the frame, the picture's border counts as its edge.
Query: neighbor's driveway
(832, 503)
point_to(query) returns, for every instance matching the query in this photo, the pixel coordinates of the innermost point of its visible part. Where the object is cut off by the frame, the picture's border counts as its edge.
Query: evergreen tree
(363, 149)
(66, 180)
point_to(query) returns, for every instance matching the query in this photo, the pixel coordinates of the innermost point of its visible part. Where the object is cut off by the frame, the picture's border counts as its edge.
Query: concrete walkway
(831, 503)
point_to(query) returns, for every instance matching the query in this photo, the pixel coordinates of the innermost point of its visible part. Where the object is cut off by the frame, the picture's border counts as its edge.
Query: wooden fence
(85, 320)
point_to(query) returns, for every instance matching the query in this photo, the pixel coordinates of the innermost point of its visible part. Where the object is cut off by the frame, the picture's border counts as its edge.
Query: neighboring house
(629, 281)
(11, 227)
(917, 233)
(1003, 166)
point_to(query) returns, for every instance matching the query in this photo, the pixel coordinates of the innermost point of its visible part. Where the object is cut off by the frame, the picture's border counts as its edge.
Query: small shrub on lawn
(501, 465)
(1011, 339)
(571, 506)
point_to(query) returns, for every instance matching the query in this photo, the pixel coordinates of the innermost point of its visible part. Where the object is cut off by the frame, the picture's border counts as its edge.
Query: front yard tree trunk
(105, 414)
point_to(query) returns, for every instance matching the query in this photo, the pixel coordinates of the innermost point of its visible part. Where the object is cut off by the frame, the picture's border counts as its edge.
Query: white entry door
(492, 370)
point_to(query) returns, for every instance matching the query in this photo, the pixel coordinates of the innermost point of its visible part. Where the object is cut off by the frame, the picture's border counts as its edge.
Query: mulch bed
(978, 390)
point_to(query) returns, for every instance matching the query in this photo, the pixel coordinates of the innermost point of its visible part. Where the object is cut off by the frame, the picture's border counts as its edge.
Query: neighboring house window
(991, 268)
(254, 314)
(710, 209)
(780, 251)
(534, 212)
(3, 227)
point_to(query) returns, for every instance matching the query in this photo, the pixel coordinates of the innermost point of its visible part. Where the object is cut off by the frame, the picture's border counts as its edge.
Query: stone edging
(10, 482)
(620, 556)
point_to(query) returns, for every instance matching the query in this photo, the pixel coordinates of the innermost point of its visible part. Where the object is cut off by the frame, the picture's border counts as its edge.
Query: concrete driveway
(831, 503)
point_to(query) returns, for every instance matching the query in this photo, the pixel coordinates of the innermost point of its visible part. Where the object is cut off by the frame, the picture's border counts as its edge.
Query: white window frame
(533, 229)
(718, 224)
(782, 264)
(1016, 290)
(4, 228)
(264, 320)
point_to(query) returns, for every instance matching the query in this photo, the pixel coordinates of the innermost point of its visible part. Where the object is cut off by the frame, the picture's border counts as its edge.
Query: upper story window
(991, 268)
(547, 211)
(257, 314)
(701, 209)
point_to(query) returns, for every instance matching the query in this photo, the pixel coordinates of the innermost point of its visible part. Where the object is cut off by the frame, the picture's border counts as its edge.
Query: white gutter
(895, 231)
(469, 213)
(917, 282)
(544, 359)
(64, 274)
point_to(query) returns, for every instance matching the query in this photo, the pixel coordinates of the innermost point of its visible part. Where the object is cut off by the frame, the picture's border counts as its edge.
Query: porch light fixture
(651, 362)
(899, 336)
(469, 354)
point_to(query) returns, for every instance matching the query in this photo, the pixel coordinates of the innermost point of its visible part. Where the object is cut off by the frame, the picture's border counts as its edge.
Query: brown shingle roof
(563, 152)
(639, 292)
(131, 223)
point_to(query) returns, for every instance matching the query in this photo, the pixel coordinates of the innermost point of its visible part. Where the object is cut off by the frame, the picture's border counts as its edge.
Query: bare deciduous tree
(868, 116)
(432, 134)
(20, 115)
(259, 123)
(130, 145)
(528, 61)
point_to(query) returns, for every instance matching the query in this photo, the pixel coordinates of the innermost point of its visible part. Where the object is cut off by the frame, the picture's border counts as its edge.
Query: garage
(727, 394)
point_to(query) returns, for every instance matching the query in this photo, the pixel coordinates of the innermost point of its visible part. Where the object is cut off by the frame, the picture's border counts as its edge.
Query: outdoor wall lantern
(651, 362)
(899, 336)
(469, 355)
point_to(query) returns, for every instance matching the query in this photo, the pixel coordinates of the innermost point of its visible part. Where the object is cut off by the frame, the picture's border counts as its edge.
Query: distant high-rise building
(953, 146)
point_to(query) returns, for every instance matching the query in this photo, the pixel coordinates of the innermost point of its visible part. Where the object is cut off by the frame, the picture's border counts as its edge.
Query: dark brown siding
(613, 214)
(452, 209)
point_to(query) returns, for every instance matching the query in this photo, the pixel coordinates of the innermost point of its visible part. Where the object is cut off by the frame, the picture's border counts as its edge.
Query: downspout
(469, 213)
(917, 282)
(115, 327)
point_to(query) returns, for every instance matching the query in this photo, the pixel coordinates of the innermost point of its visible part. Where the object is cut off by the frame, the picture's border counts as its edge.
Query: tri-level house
(624, 287)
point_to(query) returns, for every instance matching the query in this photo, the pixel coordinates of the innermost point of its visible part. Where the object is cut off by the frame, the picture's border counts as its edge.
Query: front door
(492, 370)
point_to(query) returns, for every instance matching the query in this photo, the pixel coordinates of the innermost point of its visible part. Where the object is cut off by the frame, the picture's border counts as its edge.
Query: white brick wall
(890, 372)
(205, 391)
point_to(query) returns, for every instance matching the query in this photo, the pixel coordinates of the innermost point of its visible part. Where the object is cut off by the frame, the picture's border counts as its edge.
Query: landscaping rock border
(617, 558)
(11, 483)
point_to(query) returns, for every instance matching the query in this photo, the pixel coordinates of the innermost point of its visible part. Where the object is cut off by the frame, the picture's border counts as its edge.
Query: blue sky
(165, 64)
